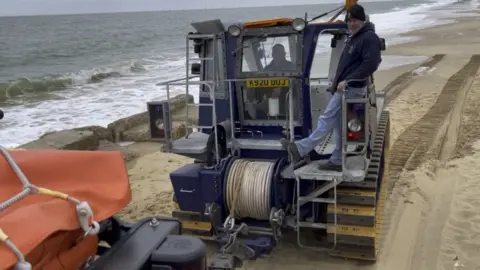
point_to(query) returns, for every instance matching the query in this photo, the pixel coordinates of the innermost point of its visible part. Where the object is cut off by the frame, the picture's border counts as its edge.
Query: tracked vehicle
(243, 191)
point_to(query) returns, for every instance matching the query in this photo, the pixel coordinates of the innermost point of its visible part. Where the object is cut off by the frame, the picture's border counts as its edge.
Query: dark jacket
(360, 57)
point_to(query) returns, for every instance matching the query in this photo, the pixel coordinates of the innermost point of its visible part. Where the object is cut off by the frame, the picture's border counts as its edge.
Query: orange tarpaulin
(99, 178)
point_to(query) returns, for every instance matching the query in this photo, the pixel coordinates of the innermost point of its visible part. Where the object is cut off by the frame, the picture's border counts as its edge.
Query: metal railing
(211, 85)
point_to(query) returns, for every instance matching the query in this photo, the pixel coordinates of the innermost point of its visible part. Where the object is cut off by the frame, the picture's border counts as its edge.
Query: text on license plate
(267, 83)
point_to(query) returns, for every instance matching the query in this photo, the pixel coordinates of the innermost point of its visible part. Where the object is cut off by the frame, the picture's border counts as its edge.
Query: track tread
(360, 208)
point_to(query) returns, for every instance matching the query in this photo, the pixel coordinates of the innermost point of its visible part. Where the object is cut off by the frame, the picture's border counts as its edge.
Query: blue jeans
(330, 119)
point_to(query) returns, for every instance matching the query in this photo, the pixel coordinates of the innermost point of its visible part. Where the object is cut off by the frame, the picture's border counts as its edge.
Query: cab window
(270, 54)
(321, 59)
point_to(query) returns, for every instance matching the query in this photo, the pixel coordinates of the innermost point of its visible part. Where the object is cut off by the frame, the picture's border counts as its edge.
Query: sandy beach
(433, 212)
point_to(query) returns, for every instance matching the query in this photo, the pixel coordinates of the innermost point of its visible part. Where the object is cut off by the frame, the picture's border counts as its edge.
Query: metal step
(354, 171)
(305, 224)
(313, 196)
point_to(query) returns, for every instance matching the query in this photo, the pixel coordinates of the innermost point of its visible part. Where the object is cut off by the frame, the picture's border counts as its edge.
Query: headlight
(234, 30)
(354, 125)
(299, 24)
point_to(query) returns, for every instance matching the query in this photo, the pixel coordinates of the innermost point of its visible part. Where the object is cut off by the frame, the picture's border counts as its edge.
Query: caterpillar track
(360, 207)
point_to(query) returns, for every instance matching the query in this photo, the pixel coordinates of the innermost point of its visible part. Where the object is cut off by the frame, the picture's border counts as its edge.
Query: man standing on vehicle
(360, 59)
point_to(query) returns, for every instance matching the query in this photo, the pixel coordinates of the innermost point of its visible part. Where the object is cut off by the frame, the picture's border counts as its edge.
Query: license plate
(267, 83)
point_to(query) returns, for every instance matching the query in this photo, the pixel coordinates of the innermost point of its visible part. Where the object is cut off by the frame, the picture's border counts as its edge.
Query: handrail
(212, 97)
(176, 80)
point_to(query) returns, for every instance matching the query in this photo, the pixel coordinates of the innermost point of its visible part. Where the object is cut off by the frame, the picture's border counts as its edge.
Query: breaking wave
(22, 87)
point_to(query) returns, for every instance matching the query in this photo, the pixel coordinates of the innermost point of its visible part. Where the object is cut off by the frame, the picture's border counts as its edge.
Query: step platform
(195, 144)
(354, 171)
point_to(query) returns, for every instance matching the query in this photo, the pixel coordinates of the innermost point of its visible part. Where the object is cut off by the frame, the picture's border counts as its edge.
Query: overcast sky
(34, 7)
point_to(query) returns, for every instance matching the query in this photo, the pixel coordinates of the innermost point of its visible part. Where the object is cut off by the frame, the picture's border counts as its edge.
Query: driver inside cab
(278, 64)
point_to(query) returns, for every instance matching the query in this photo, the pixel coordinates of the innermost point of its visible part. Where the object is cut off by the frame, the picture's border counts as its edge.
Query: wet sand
(433, 211)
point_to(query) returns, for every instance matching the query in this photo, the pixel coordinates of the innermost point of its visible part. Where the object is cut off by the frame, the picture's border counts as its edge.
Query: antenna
(341, 9)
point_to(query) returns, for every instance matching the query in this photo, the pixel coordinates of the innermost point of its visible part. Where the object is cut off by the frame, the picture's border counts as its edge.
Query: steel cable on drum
(248, 189)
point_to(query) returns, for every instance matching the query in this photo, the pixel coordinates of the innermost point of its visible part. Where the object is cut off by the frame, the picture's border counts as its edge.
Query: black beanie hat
(357, 12)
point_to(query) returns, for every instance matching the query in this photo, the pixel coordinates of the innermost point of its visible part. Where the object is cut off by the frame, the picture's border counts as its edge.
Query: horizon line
(174, 9)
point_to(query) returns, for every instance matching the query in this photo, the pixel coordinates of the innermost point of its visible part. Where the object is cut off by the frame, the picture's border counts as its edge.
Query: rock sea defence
(131, 129)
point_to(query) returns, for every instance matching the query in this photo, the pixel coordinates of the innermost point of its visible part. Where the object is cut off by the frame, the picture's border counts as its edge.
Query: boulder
(102, 133)
(140, 133)
(65, 140)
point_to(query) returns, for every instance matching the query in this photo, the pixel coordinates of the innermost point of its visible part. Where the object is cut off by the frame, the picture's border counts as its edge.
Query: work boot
(291, 149)
(330, 166)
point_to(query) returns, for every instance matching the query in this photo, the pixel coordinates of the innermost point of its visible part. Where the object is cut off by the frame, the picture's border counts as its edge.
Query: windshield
(267, 99)
(270, 54)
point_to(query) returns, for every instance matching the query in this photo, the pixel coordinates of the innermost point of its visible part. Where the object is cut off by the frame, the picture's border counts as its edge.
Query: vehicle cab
(268, 82)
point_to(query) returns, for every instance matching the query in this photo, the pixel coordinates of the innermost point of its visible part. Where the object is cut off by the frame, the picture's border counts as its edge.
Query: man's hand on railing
(343, 85)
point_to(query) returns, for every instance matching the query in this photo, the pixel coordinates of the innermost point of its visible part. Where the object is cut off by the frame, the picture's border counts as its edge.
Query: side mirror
(383, 44)
(196, 68)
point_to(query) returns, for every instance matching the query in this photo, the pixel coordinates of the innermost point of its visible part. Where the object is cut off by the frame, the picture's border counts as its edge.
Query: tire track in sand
(412, 145)
(404, 223)
(400, 83)
(441, 190)
(470, 124)
(460, 235)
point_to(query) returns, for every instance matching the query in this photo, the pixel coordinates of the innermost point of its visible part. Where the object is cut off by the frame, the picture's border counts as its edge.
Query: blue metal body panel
(187, 187)
(193, 176)
(195, 186)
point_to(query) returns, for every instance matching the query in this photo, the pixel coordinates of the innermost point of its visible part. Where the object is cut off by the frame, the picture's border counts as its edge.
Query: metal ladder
(331, 183)
(331, 179)
(210, 84)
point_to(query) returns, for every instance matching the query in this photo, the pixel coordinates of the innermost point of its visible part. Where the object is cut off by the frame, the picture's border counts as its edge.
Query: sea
(66, 71)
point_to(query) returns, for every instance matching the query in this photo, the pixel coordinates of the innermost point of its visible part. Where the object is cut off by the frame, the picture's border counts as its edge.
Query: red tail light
(353, 135)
